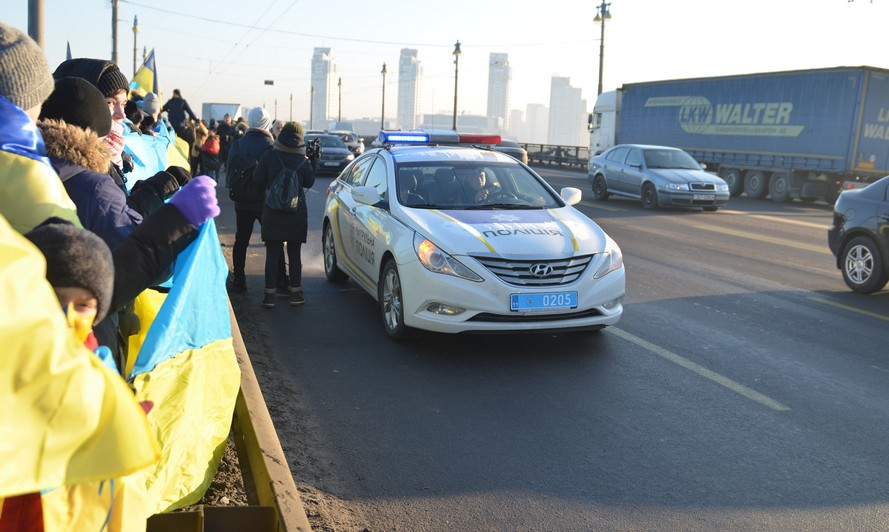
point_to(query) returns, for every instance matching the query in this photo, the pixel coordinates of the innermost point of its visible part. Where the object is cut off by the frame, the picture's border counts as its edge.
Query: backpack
(285, 191)
(241, 188)
(211, 145)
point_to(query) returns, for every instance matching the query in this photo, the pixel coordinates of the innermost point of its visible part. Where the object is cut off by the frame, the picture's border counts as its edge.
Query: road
(744, 388)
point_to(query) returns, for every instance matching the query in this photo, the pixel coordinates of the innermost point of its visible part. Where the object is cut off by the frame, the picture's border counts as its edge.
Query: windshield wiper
(501, 206)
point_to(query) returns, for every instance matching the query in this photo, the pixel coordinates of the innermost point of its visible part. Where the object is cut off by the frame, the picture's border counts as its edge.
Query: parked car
(409, 225)
(658, 175)
(859, 236)
(335, 155)
(512, 148)
(352, 140)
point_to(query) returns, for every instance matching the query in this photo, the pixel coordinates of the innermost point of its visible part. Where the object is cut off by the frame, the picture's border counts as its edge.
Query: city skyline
(225, 51)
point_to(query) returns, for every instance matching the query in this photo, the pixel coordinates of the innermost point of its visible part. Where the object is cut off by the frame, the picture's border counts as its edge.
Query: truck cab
(603, 122)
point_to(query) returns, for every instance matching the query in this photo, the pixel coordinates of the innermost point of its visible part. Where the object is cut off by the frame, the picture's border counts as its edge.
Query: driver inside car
(477, 185)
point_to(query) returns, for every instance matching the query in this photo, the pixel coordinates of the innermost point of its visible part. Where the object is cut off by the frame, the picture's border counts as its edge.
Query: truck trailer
(803, 134)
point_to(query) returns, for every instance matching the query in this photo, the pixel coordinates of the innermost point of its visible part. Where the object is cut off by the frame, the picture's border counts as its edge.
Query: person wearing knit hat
(80, 269)
(278, 226)
(151, 105)
(111, 82)
(78, 103)
(30, 191)
(259, 118)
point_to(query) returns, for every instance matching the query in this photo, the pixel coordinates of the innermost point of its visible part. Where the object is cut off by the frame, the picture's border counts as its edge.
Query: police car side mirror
(571, 195)
(366, 195)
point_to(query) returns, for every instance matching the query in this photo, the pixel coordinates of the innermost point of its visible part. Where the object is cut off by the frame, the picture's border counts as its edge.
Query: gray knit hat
(24, 75)
(76, 258)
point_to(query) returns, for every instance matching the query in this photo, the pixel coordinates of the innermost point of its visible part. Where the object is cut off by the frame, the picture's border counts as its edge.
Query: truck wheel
(649, 196)
(734, 180)
(755, 184)
(600, 188)
(862, 266)
(779, 187)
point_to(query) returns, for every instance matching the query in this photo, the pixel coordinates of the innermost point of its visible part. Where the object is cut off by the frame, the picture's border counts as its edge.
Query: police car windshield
(471, 185)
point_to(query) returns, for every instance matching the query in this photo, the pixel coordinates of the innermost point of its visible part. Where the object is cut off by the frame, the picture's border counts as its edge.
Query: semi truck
(217, 111)
(802, 134)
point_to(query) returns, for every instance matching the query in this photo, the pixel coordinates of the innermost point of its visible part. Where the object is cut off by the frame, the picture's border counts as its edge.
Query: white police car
(455, 239)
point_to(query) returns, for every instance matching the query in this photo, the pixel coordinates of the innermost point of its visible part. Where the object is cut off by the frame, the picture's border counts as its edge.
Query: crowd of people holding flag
(119, 376)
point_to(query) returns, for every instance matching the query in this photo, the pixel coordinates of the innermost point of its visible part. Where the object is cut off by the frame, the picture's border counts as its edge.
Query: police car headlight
(614, 259)
(437, 261)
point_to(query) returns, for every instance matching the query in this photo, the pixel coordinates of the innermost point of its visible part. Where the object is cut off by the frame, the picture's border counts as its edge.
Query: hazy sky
(222, 50)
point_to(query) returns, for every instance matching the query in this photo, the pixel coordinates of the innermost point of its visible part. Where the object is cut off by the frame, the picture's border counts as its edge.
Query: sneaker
(268, 300)
(296, 297)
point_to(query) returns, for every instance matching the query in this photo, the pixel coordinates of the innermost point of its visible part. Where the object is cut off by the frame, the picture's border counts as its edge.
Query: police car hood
(562, 232)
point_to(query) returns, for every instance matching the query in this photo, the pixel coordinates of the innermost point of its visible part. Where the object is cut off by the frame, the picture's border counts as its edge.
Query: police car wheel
(391, 302)
(331, 270)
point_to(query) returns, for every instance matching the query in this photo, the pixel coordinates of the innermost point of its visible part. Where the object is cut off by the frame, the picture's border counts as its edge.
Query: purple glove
(197, 200)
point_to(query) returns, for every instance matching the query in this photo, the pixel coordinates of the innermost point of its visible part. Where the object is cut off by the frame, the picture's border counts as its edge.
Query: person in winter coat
(113, 85)
(242, 158)
(177, 109)
(30, 191)
(290, 227)
(71, 121)
(210, 160)
(201, 133)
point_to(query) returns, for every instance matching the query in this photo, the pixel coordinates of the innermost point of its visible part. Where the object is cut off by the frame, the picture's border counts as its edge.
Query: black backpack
(285, 191)
(241, 188)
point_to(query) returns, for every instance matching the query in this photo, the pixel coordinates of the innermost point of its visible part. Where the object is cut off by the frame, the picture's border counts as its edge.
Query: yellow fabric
(177, 154)
(146, 307)
(31, 192)
(194, 397)
(67, 419)
(89, 506)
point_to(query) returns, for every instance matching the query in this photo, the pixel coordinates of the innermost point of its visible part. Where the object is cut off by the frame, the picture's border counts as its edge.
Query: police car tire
(331, 270)
(392, 303)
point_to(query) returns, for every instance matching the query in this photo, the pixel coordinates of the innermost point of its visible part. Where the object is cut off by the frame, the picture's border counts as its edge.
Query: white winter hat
(259, 118)
(151, 105)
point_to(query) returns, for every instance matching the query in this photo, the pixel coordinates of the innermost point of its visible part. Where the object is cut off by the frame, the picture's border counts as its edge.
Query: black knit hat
(80, 104)
(104, 75)
(182, 175)
(76, 258)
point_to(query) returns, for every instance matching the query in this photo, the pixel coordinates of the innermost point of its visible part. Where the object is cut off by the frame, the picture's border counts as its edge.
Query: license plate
(705, 197)
(331, 163)
(555, 300)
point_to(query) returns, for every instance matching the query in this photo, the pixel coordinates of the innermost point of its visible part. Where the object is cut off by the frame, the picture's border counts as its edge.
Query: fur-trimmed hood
(75, 145)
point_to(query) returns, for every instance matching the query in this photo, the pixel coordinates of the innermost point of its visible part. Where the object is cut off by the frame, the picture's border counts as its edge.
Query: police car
(452, 238)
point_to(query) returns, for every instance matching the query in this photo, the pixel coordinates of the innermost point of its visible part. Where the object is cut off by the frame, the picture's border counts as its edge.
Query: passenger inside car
(409, 188)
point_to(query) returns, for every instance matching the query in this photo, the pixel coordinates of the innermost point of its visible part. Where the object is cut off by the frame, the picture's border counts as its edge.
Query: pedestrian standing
(280, 227)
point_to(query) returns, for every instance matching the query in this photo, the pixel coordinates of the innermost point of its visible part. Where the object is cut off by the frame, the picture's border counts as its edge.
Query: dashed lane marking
(721, 380)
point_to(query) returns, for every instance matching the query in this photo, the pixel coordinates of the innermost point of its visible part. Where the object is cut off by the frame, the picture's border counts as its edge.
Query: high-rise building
(536, 123)
(324, 102)
(499, 77)
(567, 113)
(409, 74)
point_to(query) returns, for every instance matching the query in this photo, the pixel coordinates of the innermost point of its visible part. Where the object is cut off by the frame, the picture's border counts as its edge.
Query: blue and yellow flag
(145, 79)
(187, 369)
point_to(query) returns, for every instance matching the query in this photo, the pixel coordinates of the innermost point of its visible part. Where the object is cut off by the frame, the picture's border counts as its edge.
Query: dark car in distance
(335, 155)
(512, 148)
(859, 236)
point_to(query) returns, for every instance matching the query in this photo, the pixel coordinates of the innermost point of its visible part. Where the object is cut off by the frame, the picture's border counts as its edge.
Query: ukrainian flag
(187, 368)
(145, 79)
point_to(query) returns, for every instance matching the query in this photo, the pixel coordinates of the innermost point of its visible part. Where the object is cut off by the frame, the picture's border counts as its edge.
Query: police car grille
(519, 272)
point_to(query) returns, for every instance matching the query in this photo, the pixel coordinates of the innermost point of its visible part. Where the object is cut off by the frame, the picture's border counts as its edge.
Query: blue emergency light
(404, 137)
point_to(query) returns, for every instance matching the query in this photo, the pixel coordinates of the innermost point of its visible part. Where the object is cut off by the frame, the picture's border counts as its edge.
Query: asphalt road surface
(745, 388)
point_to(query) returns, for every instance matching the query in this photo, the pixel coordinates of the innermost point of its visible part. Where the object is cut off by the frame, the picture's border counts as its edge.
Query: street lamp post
(339, 116)
(383, 112)
(456, 53)
(602, 14)
(135, 46)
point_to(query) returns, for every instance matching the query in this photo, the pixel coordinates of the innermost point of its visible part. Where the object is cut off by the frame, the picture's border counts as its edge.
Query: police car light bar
(404, 137)
(436, 137)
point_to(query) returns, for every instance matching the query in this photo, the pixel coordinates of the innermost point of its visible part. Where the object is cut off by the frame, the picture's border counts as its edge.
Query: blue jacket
(81, 162)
